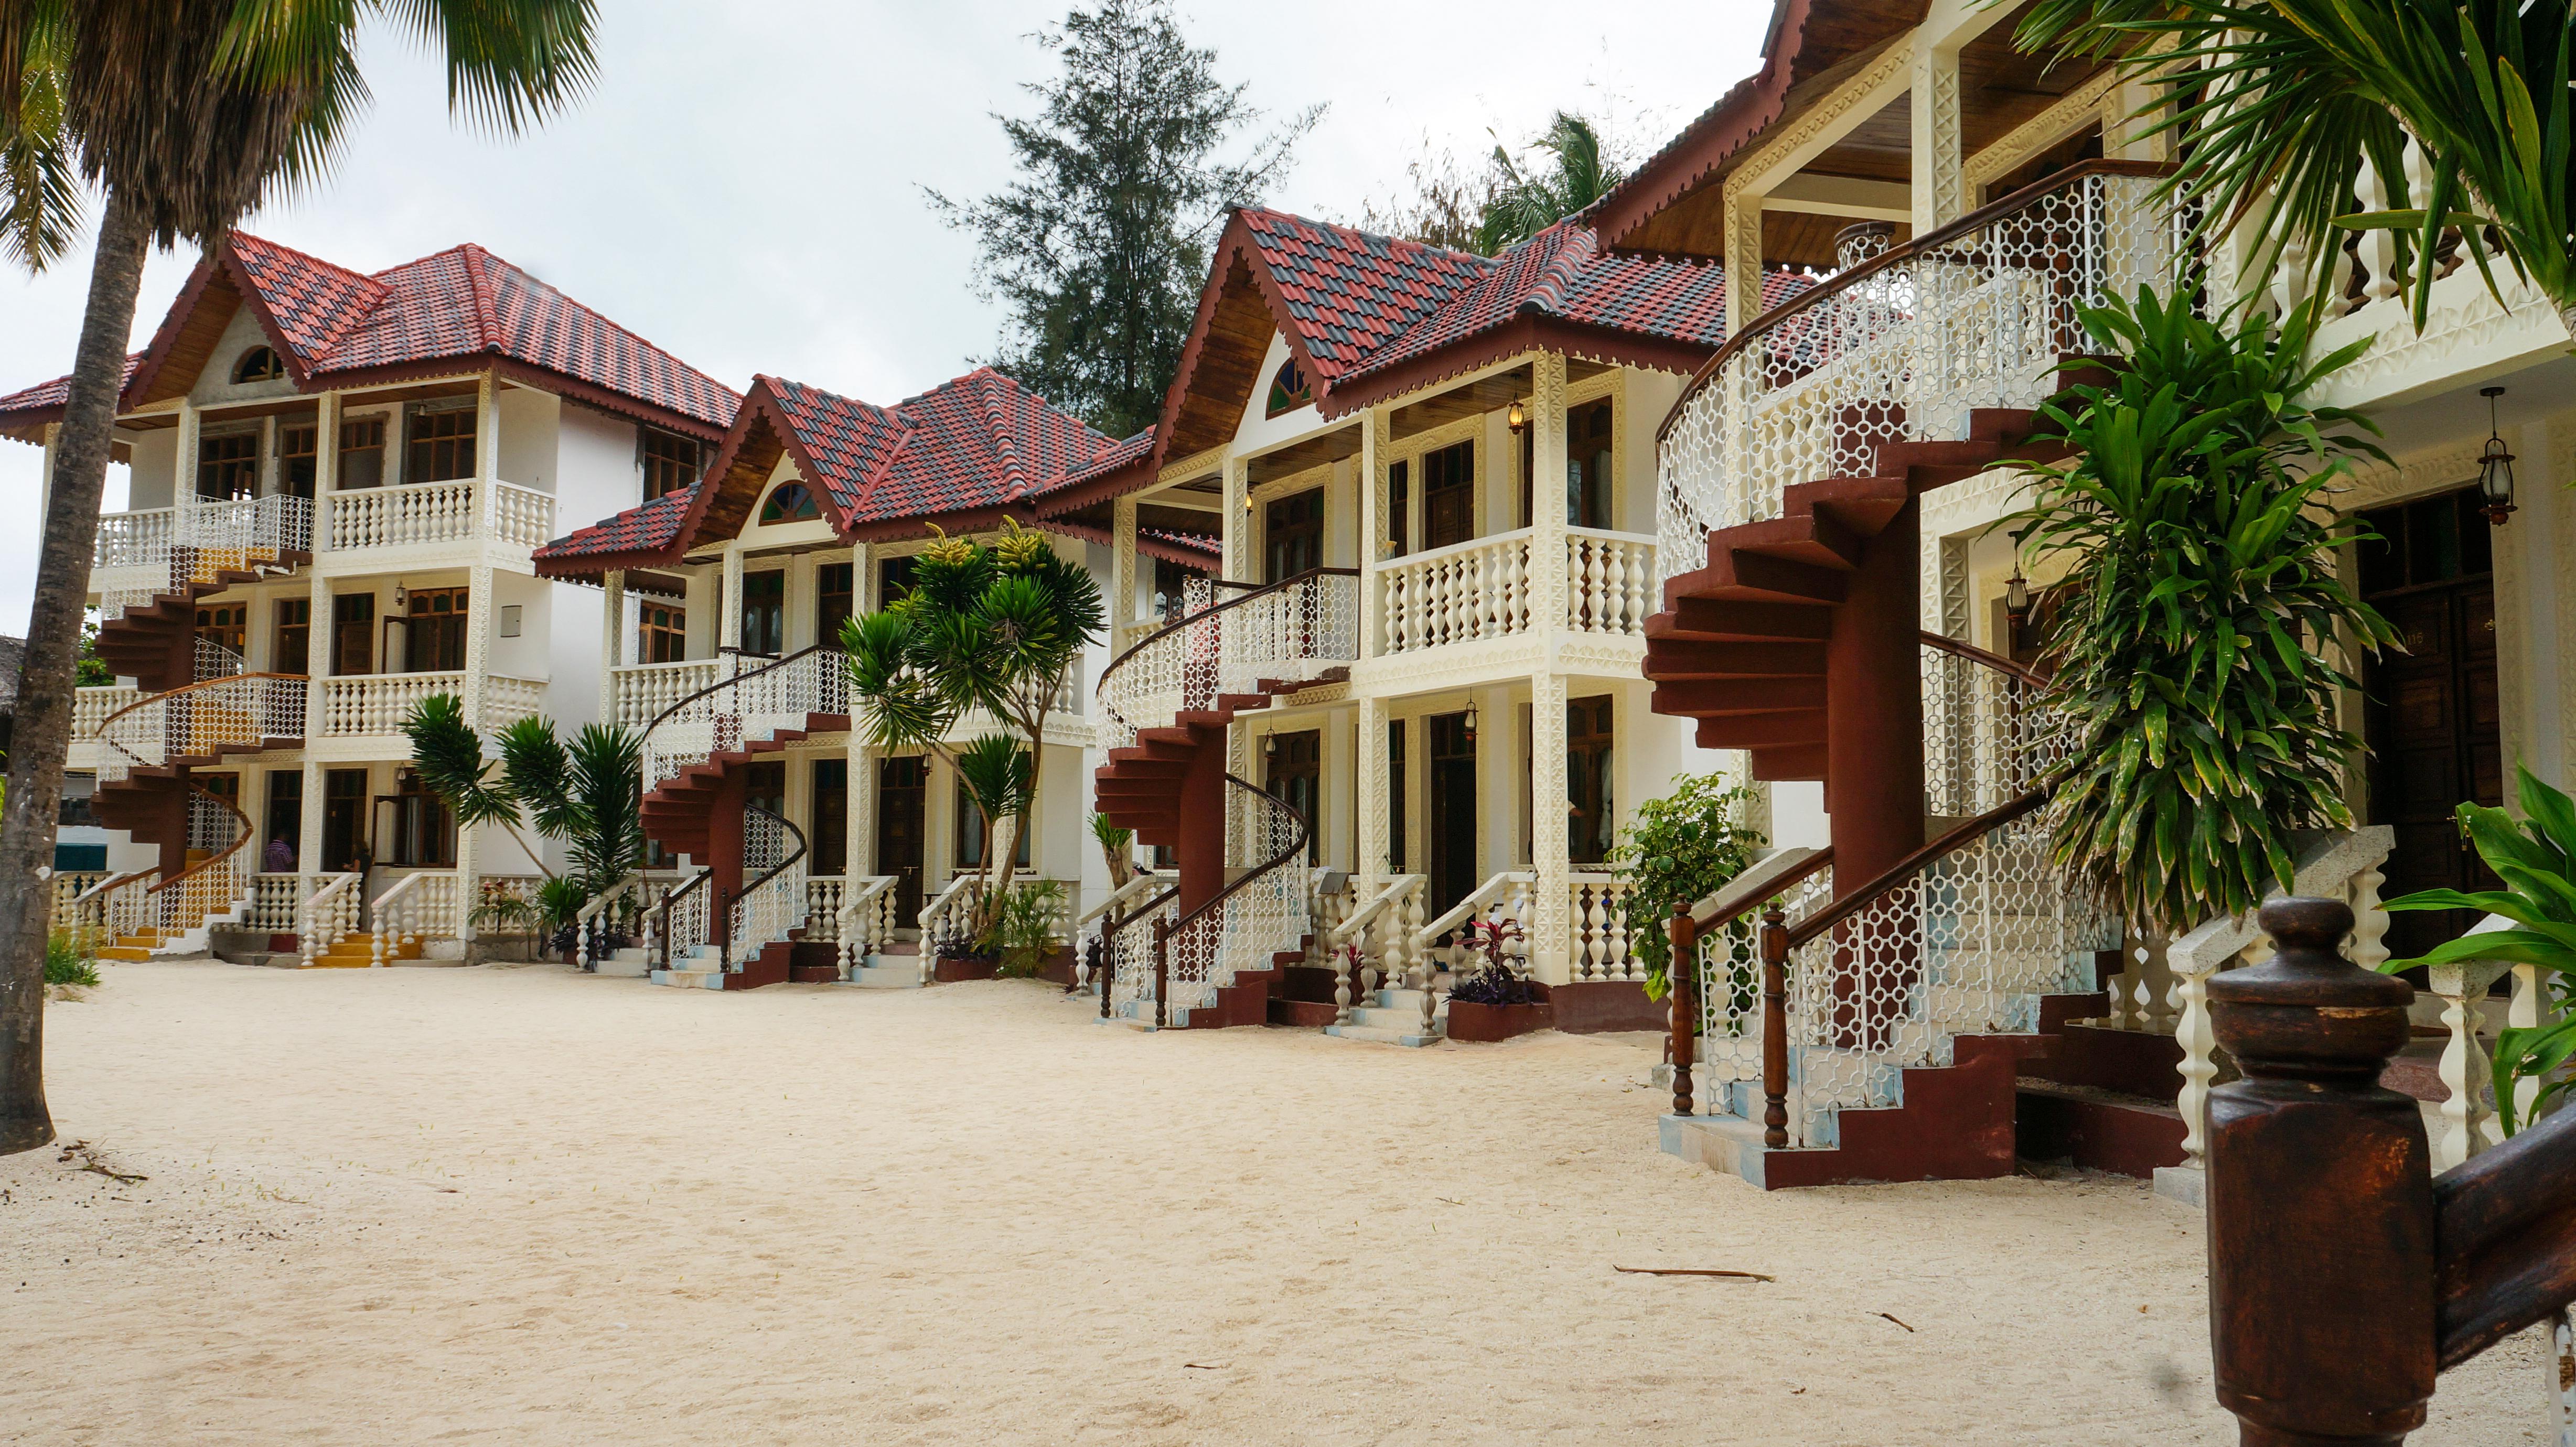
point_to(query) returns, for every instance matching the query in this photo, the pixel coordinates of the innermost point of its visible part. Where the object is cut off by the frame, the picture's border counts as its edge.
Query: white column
(1122, 542)
(479, 610)
(317, 639)
(729, 606)
(1939, 179)
(1551, 932)
(1375, 436)
(1238, 520)
(183, 483)
(612, 640)
(1375, 813)
(45, 487)
(1743, 259)
(1548, 585)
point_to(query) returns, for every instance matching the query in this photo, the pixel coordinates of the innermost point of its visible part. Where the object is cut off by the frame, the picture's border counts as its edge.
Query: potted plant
(1494, 1002)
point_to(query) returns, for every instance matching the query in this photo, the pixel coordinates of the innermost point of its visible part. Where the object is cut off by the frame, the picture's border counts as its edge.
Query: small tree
(993, 630)
(1575, 172)
(2188, 638)
(1679, 849)
(1099, 248)
(588, 795)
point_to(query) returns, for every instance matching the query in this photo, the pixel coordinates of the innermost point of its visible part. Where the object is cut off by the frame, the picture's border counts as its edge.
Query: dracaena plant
(2535, 857)
(1679, 849)
(587, 794)
(991, 630)
(2194, 545)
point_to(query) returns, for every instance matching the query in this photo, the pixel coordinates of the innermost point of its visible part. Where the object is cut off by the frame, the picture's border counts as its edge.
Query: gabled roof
(962, 455)
(1370, 317)
(47, 397)
(459, 308)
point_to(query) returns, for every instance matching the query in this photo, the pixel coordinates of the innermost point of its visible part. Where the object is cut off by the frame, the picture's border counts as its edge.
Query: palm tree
(587, 793)
(2279, 101)
(185, 114)
(1528, 202)
(984, 630)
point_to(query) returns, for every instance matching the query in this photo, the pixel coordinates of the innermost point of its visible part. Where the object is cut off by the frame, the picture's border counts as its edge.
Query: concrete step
(1410, 1035)
(883, 972)
(690, 979)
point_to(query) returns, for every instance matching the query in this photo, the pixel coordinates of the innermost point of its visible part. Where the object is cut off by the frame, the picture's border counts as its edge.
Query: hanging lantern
(2495, 465)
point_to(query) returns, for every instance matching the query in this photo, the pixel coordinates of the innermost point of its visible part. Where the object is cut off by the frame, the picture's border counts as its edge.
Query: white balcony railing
(1906, 347)
(639, 694)
(134, 539)
(422, 513)
(92, 705)
(1462, 593)
(376, 703)
(138, 556)
(1609, 582)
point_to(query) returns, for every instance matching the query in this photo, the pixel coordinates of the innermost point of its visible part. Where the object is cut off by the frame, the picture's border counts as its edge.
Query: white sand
(521, 1205)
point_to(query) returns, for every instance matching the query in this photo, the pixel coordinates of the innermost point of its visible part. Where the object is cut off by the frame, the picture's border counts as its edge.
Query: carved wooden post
(1096, 953)
(1162, 968)
(2321, 1241)
(1105, 973)
(1775, 1029)
(1681, 973)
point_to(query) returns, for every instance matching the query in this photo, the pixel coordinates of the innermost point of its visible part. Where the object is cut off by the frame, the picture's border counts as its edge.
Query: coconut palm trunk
(42, 733)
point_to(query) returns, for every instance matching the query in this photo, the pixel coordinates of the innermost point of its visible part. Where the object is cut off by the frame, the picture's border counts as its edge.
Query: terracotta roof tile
(651, 528)
(1350, 292)
(53, 393)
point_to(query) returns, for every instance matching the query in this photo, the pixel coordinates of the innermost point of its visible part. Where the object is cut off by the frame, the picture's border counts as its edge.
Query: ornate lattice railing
(1266, 912)
(760, 698)
(200, 720)
(1988, 735)
(140, 556)
(1291, 630)
(1974, 314)
(773, 903)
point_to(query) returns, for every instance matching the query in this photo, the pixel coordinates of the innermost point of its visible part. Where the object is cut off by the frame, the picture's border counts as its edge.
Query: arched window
(1288, 390)
(790, 503)
(259, 364)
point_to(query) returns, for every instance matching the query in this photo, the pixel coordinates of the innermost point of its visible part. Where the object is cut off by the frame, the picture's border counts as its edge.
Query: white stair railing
(1293, 630)
(866, 921)
(424, 905)
(753, 699)
(1372, 943)
(327, 916)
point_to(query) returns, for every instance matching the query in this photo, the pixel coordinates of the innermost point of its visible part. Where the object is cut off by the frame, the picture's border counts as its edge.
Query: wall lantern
(1471, 721)
(2017, 597)
(1517, 418)
(2495, 465)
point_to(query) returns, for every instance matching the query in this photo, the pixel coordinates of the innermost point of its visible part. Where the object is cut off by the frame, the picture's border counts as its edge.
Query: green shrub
(1023, 928)
(1679, 849)
(2194, 529)
(69, 959)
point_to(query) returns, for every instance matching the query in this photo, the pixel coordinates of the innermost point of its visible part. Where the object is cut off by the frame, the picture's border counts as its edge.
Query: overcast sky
(744, 185)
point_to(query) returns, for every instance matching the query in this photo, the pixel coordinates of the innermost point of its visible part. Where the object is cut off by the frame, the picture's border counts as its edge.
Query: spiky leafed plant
(2278, 102)
(2188, 632)
(185, 115)
(586, 795)
(1576, 173)
(1117, 849)
(994, 630)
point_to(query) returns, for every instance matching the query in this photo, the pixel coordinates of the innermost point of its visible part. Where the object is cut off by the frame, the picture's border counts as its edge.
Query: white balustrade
(1610, 582)
(865, 923)
(750, 699)
(1288, 632)
(1372, 941)
(327, 915)
(134, 539)
(1904, 348)
(642, 692)
(91, 706)
(1596, 910)
(421, 906)
(275, 901)
(358, 705)
(411, 515)
(1462, 593)
(66, 888)
(522, 516)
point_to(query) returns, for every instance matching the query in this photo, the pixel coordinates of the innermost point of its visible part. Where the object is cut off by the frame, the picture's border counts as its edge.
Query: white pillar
(1238, 521)
(1376, 434)
(612, 642)
(317, 640)
(479, 610)
(1122, 592)
(1939, 179)
(1743, 259)
(729, 604)
(183, 482)
(1547, 566)
(1550, 933)
(45, 481)
(1375, 814)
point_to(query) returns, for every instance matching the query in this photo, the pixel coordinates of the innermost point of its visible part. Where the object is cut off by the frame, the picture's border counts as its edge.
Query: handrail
(724, 906)
(192, 688)
(110, 885)
(400, 887)
(662, 911)
(240, 842)
(1465, 909)
(1135, 883)
(1397, 886)
(601, 901)
(1782, 871)
(774, 663)
(2508, 1239)
(964, 879)
(1912, 250)
(1295, 849)
(1912, 864)
(1100, 685)
(1974, 654)
(1469, 545)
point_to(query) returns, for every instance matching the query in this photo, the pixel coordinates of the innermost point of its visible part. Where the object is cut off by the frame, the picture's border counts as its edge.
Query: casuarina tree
(183, 115)
(1099, 247)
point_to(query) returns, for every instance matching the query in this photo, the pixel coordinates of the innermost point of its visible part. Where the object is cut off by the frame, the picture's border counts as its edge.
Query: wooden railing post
(1162, 969)
(2320, 1198)
(1107, 971)
(1681, 973)
(1775, 1029)
(1098, 952)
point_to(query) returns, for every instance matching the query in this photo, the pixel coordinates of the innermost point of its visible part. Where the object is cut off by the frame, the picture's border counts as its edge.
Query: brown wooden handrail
(1974, 654)
(2505, 1221)
(1814, 296)
(1163, 931)
(1912, 864)
(663, 910)
(1100, 685)
(192, 688)
(210, 861)
(724, 903)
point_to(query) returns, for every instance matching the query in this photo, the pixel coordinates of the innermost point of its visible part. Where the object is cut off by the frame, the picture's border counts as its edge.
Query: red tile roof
(1348, 293)
(980, 444)
(456, 305)
(52, 394)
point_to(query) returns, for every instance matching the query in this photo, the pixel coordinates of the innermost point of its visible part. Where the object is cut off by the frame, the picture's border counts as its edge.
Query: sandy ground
(523, 1205)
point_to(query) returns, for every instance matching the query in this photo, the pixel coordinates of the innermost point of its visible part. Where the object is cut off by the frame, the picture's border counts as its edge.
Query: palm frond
(448, 757)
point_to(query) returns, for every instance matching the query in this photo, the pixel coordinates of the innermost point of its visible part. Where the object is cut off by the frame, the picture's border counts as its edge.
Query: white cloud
(747, 193)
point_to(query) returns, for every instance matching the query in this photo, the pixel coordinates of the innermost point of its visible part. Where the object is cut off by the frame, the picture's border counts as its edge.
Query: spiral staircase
(1214, 950)
(201, 705)
(737, 923)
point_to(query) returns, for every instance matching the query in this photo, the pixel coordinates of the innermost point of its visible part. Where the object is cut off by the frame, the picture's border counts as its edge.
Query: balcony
(374, 705)
(1484, 589)
(436, 516)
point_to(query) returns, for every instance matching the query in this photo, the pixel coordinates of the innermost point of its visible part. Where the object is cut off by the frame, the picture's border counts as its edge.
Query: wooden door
(1449, 495)
(902, 789)
(1293, 535)
(1453, 812)
(2431, 717)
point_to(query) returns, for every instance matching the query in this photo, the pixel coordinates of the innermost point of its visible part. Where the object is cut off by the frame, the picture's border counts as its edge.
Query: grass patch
(69, 960)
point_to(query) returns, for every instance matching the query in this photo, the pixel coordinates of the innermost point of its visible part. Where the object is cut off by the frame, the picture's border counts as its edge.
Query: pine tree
(1101, 244)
